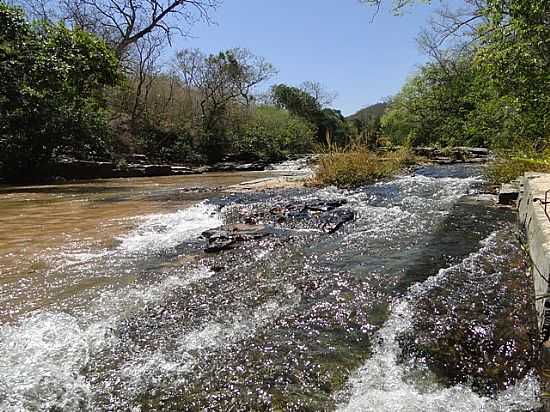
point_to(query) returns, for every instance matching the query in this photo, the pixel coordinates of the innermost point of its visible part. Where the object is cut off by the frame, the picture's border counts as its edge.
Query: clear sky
(330, 41)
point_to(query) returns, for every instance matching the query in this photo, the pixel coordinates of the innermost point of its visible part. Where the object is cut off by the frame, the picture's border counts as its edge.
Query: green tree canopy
(51, 80)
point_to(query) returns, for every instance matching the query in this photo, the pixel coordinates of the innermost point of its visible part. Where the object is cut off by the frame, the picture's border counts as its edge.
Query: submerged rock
(324, 205)
(477, 323)
(332, 221)
(328, 215)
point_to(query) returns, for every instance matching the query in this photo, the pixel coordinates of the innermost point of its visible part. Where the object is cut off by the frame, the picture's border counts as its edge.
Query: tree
(319, 93)
(51, 80)
(438, 106)
(221, 80)
(515, 57)
(296, 101)
(488, 82)
(271, 134)
(331, 125)
(122, 23)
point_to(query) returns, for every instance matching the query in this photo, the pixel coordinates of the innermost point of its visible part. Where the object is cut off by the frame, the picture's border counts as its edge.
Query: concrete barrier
(534, 215)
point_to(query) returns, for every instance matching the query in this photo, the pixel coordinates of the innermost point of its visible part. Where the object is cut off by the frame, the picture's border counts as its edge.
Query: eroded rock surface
(225, 237)
(477, 323)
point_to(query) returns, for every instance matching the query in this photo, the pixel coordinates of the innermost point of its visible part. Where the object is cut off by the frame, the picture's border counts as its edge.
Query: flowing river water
(108, 301)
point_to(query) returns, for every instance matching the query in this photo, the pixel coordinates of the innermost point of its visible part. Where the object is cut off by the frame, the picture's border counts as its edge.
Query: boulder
(225, 237)
(508, 194)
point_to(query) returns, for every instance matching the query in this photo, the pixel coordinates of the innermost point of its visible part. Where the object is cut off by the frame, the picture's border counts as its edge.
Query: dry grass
(356, 165)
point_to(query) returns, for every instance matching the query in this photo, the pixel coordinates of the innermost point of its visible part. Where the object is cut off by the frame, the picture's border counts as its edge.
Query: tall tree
(50, 93)
(227, 78)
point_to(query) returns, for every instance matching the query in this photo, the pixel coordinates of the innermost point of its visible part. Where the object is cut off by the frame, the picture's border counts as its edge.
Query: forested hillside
(93, 80)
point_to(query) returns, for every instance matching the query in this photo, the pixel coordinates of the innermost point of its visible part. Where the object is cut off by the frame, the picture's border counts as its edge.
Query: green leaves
(51, 80)
(498, 94)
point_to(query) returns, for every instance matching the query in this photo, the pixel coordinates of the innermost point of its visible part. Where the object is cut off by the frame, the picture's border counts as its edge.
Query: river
(108, 301)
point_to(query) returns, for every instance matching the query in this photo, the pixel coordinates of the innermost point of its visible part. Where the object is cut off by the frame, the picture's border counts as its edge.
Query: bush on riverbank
(358, 165)
(507, 168)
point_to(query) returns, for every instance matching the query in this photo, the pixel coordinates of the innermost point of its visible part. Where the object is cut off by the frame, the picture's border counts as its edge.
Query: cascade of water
(280, 320)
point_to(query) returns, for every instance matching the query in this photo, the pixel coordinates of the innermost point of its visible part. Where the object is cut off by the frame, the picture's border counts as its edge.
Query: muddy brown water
(108, 301)
(43, 227)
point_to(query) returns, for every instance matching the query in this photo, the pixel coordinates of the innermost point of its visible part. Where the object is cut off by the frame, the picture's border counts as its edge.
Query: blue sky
(330, 41)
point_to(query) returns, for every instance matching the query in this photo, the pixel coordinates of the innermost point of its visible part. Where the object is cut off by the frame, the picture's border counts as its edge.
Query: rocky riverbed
(409, 294)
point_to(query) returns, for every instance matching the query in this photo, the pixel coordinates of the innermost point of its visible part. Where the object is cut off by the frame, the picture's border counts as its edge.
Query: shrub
(507, 168)
(357, 165)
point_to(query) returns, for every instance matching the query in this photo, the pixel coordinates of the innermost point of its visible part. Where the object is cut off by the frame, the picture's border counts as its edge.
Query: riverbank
(66, 170)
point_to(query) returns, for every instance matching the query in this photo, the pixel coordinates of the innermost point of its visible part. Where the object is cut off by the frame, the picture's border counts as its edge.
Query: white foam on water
(40, 362)
(117, 304)
(42, 356)
(299, 166)
(422, 203)
(165, 231)
(149, 368)
(382, 383)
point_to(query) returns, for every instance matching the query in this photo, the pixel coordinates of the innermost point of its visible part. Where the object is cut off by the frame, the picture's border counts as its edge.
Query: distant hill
(375, 110)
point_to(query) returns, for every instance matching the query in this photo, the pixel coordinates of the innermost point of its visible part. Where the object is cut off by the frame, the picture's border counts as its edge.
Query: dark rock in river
(225, 237)
(333, 220)
(313, 214)
(324, 205)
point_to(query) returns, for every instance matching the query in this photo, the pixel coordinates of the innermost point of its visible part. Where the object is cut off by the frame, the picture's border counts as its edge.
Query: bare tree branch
(122, 23)
(319, 92)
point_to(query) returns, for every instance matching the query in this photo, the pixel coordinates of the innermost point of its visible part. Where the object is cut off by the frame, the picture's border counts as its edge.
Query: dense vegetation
(95, 95)
(51, 82)
(491, 87)
(85, 81)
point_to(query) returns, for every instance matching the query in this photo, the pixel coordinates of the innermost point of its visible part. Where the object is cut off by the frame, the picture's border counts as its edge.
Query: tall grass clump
(357, 165)
(507, 167)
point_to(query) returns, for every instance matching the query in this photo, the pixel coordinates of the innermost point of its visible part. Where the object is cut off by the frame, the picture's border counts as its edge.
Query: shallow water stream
(109, 302)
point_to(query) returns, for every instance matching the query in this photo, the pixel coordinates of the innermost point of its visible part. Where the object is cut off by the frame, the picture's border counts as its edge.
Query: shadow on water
(80, 189)
(453, 239)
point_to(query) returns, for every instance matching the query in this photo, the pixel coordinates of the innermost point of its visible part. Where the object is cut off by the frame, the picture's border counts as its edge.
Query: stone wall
(536, 222)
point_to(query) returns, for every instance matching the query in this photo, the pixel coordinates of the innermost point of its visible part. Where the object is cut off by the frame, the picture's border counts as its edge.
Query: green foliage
(331, 126)
(272, 134)
(50, 93)
(168, 144)
(516, 59)
(496, 94)
(437, 105)
(296, 101)
(513, 164)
